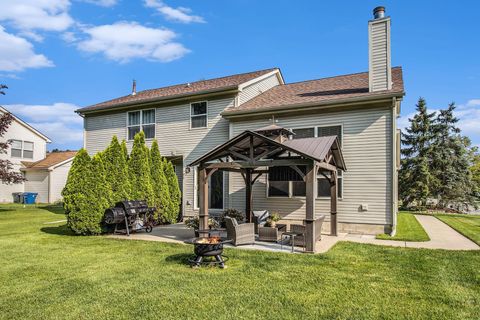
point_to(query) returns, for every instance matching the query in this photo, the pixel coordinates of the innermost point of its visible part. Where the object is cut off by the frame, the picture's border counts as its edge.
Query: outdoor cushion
(261, 215)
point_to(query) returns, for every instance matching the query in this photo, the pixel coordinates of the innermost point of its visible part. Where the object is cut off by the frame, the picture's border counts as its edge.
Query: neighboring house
(48, 176)
(27, 144)
(190, 119)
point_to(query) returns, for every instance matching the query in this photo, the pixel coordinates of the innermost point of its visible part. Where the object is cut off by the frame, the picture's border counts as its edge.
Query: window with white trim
(16, 148)
(21, 149)
(323, 191)
(198, 115)
(142, 120)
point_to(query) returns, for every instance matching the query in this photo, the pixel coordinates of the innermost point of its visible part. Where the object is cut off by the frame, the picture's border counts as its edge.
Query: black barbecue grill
(133, 215)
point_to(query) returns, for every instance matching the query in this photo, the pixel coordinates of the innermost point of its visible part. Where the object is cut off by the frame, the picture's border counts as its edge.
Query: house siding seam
(366, 139)
(257, 88)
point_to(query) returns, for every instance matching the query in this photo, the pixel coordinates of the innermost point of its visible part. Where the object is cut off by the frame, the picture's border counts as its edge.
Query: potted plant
(272, 220)
(194, 223)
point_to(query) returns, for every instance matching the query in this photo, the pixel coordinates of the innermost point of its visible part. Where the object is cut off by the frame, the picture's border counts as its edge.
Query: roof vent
(379, 13)
(134, 87)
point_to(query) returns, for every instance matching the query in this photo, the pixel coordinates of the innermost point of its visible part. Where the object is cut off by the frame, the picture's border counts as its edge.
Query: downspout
(393, 146)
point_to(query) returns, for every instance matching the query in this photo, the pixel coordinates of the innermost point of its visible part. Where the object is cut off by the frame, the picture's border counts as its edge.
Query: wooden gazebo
(269, 150)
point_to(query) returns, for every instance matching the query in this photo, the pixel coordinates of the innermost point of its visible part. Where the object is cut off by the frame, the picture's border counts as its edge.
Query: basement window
(198, 115)
(143, 120)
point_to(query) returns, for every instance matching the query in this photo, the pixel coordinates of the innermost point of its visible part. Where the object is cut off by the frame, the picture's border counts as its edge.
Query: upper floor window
(143, 120)
(22, 149)
(198, 115)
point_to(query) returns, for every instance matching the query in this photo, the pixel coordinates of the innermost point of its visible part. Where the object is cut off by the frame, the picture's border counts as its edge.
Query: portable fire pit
(208, 251)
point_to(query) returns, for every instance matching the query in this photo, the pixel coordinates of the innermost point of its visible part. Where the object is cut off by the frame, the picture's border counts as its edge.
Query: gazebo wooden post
(203, 205)
(333, 203)
(311, 190)
(248, 194)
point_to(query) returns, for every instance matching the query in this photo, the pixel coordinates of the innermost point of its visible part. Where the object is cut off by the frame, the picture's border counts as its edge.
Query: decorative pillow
(234, 222)
(261, 215)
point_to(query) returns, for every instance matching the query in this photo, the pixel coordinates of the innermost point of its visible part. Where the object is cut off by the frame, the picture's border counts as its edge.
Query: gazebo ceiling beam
(265, 163)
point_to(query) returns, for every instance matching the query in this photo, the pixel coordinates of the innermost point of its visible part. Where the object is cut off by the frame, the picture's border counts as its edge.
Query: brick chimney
(379, 53)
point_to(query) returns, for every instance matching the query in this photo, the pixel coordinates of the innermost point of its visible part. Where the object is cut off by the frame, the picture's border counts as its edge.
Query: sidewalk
(441, 236)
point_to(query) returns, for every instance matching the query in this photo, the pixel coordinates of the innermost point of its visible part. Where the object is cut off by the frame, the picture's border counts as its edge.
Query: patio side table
(290, 235)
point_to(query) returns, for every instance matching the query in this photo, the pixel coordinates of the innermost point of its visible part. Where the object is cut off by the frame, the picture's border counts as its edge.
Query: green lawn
(467, 225)
(47, 273)
(408, 229)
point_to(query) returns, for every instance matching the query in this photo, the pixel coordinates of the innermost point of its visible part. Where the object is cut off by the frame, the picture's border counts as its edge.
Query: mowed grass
(47, 273)
(468, 225)
(408, 229)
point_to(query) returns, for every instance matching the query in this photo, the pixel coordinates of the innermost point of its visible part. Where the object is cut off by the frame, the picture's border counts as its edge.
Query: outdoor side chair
(241, 234)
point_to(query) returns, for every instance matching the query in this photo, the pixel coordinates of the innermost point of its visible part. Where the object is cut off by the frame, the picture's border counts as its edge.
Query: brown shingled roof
(326, 90)
(51, 159)
(185, 89)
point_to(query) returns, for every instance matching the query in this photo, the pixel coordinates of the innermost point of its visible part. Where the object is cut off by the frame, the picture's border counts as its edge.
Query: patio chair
(300, 228)
(240, 233)
(259, 218)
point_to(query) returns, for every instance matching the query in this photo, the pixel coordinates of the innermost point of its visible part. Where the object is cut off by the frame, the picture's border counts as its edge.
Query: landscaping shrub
(139, 171)
(174, 189)
(160, 185)
(115, 164)
(86, 194)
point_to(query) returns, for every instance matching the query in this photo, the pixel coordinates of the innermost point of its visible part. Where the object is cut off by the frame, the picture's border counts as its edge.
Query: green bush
(160, 185)
(115, 164)
(174, 189)
(86, 194)
(139, 171)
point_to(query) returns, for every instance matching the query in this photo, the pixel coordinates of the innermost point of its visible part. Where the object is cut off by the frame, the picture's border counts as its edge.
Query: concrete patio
(441, 237)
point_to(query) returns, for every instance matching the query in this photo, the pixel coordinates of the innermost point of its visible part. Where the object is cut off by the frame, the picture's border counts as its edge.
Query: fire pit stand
(208, 251)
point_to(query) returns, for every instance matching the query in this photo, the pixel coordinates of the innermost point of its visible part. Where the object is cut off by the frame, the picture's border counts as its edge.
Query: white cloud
(179, 14)
(69, 37)
(124, 41)
(57, 121)
(468, 115)
(16, 54)
(28, 15)
(102, 3)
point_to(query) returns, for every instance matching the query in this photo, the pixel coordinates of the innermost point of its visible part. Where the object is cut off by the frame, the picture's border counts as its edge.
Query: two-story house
(45, 173)
(190, 119)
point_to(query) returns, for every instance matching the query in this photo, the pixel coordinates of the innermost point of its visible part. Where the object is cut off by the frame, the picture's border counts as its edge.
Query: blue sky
(57, 55)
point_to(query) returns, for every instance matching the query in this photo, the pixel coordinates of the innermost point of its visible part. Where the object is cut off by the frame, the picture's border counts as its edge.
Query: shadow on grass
(180, 258)
(5, 210)
(54, 209)
(62, 230)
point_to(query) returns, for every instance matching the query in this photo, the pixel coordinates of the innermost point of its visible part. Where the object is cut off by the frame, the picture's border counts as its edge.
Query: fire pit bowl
(208, 247)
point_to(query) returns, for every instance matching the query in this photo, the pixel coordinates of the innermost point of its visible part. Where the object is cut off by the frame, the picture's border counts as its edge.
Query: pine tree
(116, 166)
(174, 189)
(414, 176)
(86, 195)
(449, 158)
(475, 170)
(139, 171)
(160, 184)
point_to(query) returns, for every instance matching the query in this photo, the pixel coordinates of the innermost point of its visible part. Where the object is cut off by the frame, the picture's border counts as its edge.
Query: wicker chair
(240, 233)
(259, 218)
(300, 240)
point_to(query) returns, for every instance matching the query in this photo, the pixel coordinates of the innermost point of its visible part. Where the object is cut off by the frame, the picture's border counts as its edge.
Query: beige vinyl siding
(368, 180)
(174, 136)
(58, 178)
(379, 55)
(37, 181)
(257, 88)
(99, 130)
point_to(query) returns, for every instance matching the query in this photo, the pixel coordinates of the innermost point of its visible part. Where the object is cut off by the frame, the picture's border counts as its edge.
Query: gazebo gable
(254, 150)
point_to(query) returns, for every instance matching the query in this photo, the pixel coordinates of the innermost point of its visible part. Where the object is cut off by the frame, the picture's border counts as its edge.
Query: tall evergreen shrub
(174, 189)
(139, 171)
(117, 171)
(160, 185)
(86, 195)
